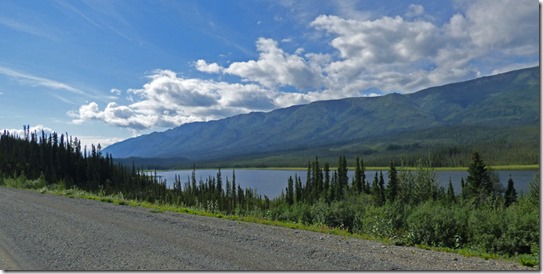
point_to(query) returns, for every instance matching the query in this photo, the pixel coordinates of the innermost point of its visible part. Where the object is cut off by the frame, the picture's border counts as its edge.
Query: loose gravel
(49, 232)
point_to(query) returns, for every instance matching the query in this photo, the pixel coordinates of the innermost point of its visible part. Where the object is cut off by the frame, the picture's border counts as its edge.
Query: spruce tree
(376, 191)
(317, 180)
(478, 182)
(298, 189)
(381, 187)
(510, 193)
(450, 193)
(326, 183)
(358, 182)
(343, 179)
(290, 191)
(463, 188)
(393, 183)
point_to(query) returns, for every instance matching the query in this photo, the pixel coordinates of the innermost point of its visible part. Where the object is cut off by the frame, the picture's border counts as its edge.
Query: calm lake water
(272, 182)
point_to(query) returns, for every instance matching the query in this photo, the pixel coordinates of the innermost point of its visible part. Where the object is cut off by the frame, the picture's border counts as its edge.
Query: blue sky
(107, 70)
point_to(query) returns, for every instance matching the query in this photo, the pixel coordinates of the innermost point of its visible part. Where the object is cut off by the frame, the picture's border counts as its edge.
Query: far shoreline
(496, 167)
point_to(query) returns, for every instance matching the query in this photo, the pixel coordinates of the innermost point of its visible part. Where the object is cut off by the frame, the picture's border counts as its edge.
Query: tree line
(410, 208)
(59, 160)
(408, 187)
(413, 209)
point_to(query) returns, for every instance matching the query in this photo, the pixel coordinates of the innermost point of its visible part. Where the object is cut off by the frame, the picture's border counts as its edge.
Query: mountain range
(496, 113)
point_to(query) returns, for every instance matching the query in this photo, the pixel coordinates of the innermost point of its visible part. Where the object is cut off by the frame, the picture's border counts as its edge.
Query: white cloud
(37, 129)
(116, 91)
(369, 49)
(27, 28)
(203, 66)
(276, 68)
(369, 57)
(395, 54)
(33, 80)
(168, 100)
(505, 24)
(171, 92)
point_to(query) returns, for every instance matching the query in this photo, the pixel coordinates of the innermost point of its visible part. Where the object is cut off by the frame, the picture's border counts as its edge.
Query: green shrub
(433, 224)
(304, 214)
(485, 228)
(521, 229)
(320, 212)
(341, 215)
(61, 185)
(379, 221)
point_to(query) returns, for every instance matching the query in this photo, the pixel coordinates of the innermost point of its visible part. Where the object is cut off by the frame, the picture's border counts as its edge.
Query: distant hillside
(498, 113)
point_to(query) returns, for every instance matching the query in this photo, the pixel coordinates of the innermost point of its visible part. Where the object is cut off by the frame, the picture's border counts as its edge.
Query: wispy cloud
(105, 15)
(26, 28)
(71, 8)
(33, 80)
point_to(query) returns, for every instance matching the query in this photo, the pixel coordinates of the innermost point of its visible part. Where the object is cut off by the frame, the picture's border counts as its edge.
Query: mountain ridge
(507, 99)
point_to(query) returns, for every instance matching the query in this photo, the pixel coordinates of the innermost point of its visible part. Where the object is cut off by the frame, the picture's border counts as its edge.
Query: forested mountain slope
(501, 109)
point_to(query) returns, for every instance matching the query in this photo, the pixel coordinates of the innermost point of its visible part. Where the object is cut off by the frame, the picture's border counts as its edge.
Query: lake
(272, 182)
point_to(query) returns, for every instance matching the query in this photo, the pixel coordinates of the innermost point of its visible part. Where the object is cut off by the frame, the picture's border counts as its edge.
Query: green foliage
(338, 214)
(37, 161)
(381, 221)
(420, 213)
(505, 231)
(434, 224)
(534, 191)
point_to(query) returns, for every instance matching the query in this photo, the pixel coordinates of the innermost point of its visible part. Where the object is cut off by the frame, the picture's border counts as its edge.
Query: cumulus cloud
(368, 57)
(395, 54)
(276, 68)
(168, 100)
(203, 66)
(115, 91)
(369, 48)
(508, 25)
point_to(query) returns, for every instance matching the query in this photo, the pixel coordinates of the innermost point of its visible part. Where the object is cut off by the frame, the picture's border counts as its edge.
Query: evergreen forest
(411, 209)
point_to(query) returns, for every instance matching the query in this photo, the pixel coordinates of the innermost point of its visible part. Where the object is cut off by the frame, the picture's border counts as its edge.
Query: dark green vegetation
(496, 115)
(410, 210)
(40, 161)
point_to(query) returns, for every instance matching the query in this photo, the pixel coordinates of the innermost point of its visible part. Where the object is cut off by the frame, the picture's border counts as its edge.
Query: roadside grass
(530, 260)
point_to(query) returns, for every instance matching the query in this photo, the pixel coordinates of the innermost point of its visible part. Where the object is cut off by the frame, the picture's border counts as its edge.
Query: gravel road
(48, 232)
